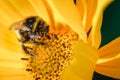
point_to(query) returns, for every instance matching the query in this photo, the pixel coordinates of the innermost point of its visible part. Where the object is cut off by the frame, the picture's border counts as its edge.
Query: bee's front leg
(28, 51)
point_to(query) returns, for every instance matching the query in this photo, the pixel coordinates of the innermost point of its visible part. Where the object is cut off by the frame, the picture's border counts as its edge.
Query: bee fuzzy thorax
(48, 54)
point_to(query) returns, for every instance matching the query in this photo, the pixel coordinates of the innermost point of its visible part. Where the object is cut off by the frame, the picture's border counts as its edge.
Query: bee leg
(37, 43)
(28, 52)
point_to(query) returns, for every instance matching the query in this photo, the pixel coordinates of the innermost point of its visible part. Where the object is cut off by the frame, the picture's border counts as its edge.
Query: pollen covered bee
(31, 30)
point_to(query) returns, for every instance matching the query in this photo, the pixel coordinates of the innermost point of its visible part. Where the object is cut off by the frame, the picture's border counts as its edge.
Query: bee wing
(18, 26)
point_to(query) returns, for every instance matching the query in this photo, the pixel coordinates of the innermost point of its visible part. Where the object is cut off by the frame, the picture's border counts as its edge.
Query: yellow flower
(67, 19)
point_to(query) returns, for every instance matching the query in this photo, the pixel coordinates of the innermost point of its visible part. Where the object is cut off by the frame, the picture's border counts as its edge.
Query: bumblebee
(33, 30)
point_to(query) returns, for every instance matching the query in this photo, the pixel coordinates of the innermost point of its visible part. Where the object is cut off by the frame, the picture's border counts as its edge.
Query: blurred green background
(111, 22)
(110, 30)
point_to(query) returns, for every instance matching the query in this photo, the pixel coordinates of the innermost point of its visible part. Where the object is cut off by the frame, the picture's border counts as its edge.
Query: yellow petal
(57, 21)
(39, 6)
(11, 69)
(109, 61)
(87, 9)
(10, 63)
(95, 34)
(12, 77)
(81, 6)
(14, 10)
(68, 10)
(8, 40)
(91, 9)
(83, 64)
